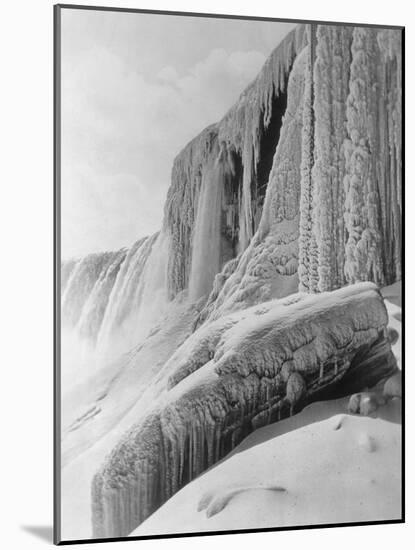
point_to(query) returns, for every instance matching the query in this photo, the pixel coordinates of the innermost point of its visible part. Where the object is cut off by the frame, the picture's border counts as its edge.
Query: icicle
(240, 130)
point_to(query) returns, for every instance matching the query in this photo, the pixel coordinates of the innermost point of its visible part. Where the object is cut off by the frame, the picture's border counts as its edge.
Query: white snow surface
(308, 469)
(321, 466)
(120, 409)
(100, 410)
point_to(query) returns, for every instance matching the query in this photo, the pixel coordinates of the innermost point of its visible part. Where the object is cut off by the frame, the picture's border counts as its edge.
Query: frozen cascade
(79, 283)
(154, 301)
(241, 132)
(271, 235)
(268, 266)
(206, 246)
(282, 230)
(121, 315)
(322, 221)
(212, 243)
(110, 300)
(95, 306)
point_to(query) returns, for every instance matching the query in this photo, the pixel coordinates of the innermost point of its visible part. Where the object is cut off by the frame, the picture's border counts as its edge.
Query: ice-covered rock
(298, 184)
(268, 267)
(393, 386)
(318, 467)
(324, 222)
(242, 145)
(232, 376)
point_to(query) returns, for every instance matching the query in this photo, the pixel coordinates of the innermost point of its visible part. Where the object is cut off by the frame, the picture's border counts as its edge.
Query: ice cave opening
(269, 135)
(231, 204)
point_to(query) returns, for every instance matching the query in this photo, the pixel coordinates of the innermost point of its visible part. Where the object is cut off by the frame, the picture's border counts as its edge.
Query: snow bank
(321, 466)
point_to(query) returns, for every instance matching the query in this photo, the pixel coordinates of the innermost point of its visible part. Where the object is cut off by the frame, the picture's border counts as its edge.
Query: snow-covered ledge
(232, 376)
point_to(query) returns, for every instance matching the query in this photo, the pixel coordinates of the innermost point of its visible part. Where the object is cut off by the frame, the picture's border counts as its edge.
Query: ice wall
(232, 376)
(243, 137)
(206, 246)
(332, 213)
(301, 180)
(298, 185)
(351, 180)
(268, 267)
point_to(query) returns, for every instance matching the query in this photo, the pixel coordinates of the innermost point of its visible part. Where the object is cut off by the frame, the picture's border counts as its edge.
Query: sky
(135, 89)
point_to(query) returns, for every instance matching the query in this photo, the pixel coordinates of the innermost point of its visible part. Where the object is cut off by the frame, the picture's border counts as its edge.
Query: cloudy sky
(135, 89)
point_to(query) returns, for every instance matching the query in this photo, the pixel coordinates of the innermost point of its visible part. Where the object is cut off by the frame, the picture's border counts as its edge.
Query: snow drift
(279, 476)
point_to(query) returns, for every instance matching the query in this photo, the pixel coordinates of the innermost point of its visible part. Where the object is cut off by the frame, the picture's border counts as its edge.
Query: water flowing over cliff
(298, 186)
(112, 298)
(256, 297)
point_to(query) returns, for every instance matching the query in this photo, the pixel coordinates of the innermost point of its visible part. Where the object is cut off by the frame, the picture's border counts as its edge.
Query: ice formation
(103, 294)
(232, 376)
(321, 466)
(332, 213)
(243, 143)
(298, 187)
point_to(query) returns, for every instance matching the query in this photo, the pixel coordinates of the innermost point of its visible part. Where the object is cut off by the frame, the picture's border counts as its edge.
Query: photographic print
(228, 278)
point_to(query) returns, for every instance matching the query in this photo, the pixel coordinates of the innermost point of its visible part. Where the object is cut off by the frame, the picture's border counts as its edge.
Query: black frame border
(57, 9)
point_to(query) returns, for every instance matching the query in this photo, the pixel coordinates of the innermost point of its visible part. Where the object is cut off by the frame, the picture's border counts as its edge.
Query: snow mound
(337, 469)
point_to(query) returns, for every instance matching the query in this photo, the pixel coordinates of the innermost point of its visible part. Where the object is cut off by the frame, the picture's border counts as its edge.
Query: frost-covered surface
(315, 456)
(235, 375)
(320, 466)
(353, 203)
(80, 278)
(235, 144)
(361, 462)
(268, 267)
(335, 176)
(300, 180)
(297, 187)
(101, 408)
(106, 395)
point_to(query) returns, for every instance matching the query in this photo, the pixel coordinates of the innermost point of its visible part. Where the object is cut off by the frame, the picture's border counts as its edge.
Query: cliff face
(351, 203)
(327, 209)
(298, 187)
(268, 266)
(240, 149)
(232, 376)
